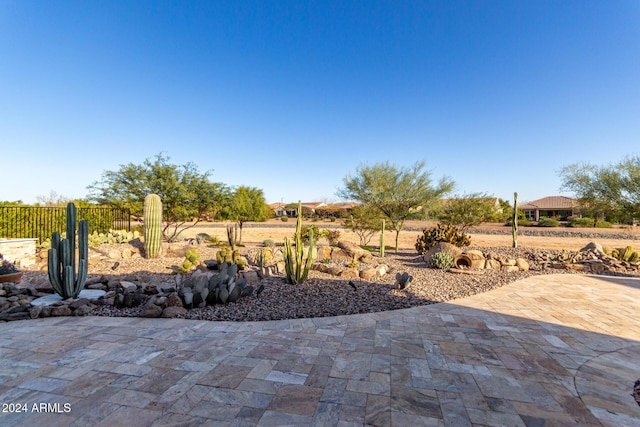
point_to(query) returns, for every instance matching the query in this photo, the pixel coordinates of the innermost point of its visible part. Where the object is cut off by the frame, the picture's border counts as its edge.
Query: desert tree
(247, 204)
(188, 196)
(606, 191)
(399, 193)
(467, 210)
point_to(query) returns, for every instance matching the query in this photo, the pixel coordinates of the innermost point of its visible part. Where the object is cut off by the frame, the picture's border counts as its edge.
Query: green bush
(317, 233)
(603, 224)
(548, 222)
(581, 222)
(441, 260)
(441, 233)
(284, 218)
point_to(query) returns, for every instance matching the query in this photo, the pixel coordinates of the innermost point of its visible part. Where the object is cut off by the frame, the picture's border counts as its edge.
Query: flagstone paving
(553, 350)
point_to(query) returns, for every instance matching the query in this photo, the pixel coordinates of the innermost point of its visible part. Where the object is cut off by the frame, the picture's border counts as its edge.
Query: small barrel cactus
(441, 260)
(152, 225)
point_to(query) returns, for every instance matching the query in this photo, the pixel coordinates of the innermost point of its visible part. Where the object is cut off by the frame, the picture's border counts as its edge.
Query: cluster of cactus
(296, 270)
(228, 255)
(353, 264)
(152, 225)
(623, 254)
(441, 260)
(191, 259)
(62, 257)
(112, 237)
(403, 280)
(441, 233)
(226, 286)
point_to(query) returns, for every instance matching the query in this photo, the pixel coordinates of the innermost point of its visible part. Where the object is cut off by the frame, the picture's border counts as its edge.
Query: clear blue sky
(291, 96)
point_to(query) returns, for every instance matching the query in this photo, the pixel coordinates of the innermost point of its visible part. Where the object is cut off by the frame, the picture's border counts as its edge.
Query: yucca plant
(297, 271)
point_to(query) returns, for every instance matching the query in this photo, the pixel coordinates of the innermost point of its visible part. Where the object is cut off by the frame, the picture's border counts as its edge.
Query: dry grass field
(255, 234)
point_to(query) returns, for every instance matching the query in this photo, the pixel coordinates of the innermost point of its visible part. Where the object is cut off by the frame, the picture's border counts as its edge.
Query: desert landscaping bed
(322, 295)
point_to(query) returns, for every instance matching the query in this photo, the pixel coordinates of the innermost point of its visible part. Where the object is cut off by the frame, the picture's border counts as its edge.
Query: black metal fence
(40, 222)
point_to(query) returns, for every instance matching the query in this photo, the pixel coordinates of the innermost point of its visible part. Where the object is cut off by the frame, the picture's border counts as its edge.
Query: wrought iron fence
(41, 221)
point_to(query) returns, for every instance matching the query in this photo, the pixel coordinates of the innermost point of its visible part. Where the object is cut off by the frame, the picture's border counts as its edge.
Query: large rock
(453, 250)
(350, 273)
(171, 312)
(324, 252)
(151, 311)
(476, 257)
(369, 273)
(340, 255)
(353, 250)
(594, 247)
(522, 264)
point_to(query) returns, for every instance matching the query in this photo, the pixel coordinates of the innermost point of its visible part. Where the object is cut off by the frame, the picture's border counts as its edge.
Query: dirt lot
(256, 233)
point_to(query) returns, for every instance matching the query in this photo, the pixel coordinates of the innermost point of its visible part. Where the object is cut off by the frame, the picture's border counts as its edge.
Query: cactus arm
(71, 235)
(54, 270)
(514, 221)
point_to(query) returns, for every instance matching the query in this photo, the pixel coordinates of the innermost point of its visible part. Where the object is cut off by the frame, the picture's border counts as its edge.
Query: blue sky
(291, 96)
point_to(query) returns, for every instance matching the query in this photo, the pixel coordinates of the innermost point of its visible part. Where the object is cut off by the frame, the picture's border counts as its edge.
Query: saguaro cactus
(152, 225)
(514, 221)
(382, 240)
(62, 257)
(297, 272)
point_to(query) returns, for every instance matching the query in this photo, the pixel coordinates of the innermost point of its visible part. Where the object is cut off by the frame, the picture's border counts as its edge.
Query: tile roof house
(553, 206)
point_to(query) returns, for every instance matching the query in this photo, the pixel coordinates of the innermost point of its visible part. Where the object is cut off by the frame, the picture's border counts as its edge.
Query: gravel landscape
(321, 295)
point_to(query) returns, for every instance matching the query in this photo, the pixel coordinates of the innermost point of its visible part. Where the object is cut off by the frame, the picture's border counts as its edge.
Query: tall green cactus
(382, 241)
(152, 225)
(514, 220)
(297, 272)
(61, 260)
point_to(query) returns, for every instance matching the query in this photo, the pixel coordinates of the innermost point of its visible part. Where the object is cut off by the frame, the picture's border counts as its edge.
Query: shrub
(581, 222)
(353, 264)
(548, 222)
(332, 219)
(441, 233)
(268, 243)
(333, 236)
(284, 218)
(603, 224)
(441, 260)
(317, 233)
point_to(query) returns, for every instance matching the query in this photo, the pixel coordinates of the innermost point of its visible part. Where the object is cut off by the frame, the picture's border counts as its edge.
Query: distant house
(553, 206)
(278, 208)
(291, 209)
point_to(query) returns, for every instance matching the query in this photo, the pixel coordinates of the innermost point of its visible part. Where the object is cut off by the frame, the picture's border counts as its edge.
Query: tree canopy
(468, 211)
(187, 195)
(611, 191)
(400, 193)
(247, 204)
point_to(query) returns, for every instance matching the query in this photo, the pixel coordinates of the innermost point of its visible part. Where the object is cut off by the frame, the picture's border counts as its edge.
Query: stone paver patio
(545, 351)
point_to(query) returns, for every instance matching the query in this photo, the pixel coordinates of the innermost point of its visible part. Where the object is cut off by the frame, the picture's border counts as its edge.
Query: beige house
(553, 206)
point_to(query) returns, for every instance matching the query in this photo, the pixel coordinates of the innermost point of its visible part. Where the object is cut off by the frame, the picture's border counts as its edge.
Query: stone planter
(11, 278)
